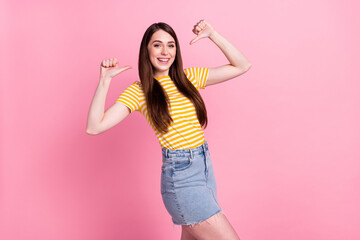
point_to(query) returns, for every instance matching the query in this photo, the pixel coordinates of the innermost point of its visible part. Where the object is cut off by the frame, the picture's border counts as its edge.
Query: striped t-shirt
(185, 132)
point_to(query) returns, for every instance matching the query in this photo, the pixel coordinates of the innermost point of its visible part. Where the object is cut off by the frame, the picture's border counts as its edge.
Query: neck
(161, 74)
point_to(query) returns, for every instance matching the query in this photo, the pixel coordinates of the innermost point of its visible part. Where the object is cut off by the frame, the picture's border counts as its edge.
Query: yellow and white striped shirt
(185, 132)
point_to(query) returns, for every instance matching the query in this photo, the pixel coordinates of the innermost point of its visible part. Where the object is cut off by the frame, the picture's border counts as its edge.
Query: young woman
(168, 97)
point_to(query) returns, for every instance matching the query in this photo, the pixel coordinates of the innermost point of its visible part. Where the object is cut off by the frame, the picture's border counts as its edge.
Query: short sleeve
(130, 97)
(198, 76)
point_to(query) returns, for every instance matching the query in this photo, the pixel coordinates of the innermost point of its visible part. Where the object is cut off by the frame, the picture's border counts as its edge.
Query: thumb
(125, 68)
(116, 71)
(195, 39)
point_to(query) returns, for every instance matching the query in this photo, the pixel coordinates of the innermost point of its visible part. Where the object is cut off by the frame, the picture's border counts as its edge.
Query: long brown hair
(156, 99)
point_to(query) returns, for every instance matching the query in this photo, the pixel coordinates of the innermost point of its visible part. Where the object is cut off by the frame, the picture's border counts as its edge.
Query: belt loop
(166, 152)
(191, 154)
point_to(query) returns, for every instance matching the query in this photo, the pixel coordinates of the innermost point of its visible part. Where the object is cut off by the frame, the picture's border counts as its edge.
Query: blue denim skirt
(188, 185)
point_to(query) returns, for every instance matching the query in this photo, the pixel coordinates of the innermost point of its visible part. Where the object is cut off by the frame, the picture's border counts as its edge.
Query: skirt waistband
(168, 153)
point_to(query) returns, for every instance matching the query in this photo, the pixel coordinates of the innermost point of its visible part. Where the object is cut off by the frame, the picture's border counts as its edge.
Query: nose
(164, 51)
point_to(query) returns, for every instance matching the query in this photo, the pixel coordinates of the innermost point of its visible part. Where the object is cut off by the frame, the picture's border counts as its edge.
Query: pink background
(284, 137)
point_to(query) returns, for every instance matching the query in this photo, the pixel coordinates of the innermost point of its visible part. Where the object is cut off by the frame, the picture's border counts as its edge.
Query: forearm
(97, 107)
(235, 57)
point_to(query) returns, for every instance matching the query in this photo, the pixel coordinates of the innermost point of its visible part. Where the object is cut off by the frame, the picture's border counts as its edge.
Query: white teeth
(163, 60)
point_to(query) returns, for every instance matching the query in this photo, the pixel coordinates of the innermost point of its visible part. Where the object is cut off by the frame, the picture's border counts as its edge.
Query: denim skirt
(188, 185)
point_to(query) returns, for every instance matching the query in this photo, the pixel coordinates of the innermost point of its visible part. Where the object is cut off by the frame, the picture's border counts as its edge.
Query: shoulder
(189, 71)
(191, 76)
(135, 88)
(196, 71)
(197, 75)
(136, 85)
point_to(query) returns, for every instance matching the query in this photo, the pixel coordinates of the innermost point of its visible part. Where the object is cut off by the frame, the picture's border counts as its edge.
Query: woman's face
(162, 52)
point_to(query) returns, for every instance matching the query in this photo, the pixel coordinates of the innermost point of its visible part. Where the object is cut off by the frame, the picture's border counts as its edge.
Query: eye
(172, 45)
(156, 45)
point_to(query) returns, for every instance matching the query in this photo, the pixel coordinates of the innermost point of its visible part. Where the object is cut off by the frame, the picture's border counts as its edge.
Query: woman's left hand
(202, 29)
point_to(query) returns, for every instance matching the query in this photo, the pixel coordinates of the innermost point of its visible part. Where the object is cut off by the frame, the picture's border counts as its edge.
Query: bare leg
(216, 227)
(185, 235)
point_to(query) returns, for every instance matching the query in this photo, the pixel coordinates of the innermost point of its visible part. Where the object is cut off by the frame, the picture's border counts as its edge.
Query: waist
(169, 153)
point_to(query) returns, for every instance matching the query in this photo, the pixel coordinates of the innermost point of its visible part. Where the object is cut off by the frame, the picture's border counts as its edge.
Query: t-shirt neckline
(160, 78)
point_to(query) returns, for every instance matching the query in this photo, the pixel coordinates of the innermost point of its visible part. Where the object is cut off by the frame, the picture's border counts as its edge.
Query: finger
(196, 32)
(125, 68)
(116, 62)
(199, 24)
(194, 40)
(198, 28)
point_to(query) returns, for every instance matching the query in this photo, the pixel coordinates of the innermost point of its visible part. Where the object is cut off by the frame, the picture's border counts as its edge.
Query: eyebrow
(161, 41)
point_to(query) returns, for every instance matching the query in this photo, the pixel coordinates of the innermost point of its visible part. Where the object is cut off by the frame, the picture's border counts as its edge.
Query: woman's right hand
(109, 68)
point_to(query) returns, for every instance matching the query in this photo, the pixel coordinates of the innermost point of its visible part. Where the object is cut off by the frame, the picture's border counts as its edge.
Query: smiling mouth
(163, 60)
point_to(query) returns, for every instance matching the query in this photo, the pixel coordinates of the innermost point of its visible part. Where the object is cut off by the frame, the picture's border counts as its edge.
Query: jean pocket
(181, 163)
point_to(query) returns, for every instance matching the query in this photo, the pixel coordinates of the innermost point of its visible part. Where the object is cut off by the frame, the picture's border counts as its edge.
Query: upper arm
(127, 102)
(223, 73)
(112, 116)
